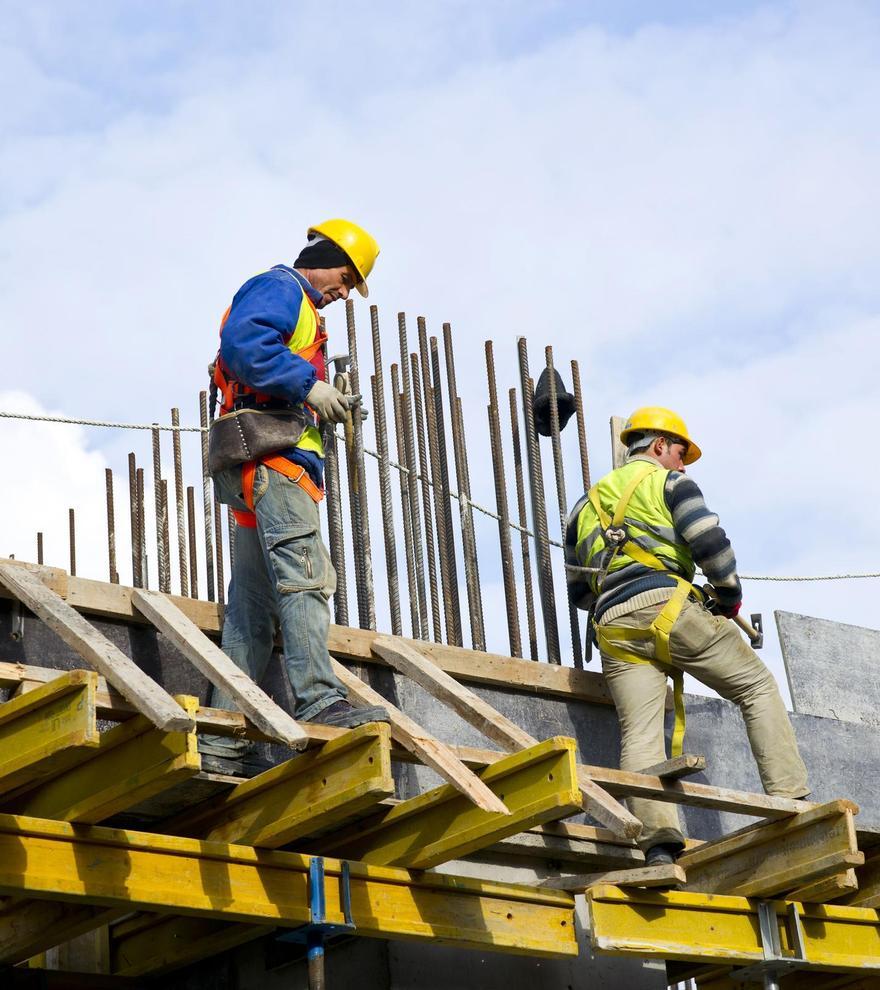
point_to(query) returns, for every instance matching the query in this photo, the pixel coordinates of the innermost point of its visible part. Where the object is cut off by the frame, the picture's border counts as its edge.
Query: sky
(681, 196)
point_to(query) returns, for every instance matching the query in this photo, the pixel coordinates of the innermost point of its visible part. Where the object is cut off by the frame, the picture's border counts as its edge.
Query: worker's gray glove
(328, 402)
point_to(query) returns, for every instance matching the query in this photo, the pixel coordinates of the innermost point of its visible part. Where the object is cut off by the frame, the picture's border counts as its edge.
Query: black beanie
(322, 253)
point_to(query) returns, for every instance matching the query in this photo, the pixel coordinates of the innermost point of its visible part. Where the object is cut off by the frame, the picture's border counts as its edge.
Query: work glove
(729, 611)
(328, 402)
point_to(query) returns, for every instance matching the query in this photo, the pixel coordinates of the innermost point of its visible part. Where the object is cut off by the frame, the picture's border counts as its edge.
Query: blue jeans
(282, 573)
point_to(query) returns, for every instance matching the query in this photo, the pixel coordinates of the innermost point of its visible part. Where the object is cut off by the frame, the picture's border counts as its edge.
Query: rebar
(468, 539)
(135, 536)
(412, 477)
(230, 528)
(112, 573)
(161, 517)
(71, 522)
(39, 548)
(178, 495)
(539, 509)
(453, 635)
(367, 612)
(218, 535)
(523, 523)
(581, 425)
(335, 526)
(562, 502)
(193, 562)
(404, 501)
(206, 498)
(142, 529)
(434, 459)
(426, 499)
(510, 596)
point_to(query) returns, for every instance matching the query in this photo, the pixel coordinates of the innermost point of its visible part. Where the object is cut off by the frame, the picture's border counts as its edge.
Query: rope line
(400, 467)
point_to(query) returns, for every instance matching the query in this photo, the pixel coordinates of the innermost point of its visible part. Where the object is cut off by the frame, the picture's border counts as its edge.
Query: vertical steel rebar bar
(39, 548)
(230, 529)
(454, 633)
(377, 383)
(161, 518)
(510, 596)
(206, 497)
(412, 478)
(581, 425)
(468, 538)
(539, 510)
(368, 617)
(142, 529)
(335, 524)
(412, 585)
(113, 575)
(178, 496)
(443, 545)
(562, 502)
(71, 522)
(523, 524)
(430, 549)
(193, 559)
(218, 536)
(135, 536)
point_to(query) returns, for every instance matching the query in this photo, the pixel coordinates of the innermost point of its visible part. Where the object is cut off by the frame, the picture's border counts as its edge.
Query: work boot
(247, 764)
(565, 403)
(343, 716)
(664, 854)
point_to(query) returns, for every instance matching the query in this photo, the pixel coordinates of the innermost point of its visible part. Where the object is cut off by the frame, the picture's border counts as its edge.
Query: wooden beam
(679, 766)
(537, 785)
(561, 849)
(495, 726)
(827, 889)
(767, 859)
(92, 864)
(433, 753)
(666, 876)
(142, 691)
(214, 664)
(28, 927)
(307, 795)
(47, 730)
(868, 894)
(132, 762)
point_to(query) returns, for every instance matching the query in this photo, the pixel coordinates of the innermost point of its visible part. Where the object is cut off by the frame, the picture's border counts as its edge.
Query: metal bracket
(318, 924)
(758, 626)
(775, 963)
(17, 631)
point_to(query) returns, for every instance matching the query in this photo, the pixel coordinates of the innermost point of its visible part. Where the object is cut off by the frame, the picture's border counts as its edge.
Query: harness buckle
(615, 536)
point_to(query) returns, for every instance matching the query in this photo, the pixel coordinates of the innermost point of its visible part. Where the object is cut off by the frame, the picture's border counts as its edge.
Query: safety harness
(617, 537)
(296, 473)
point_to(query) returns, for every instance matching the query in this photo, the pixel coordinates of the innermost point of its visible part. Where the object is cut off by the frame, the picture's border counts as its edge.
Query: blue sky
(683, 196)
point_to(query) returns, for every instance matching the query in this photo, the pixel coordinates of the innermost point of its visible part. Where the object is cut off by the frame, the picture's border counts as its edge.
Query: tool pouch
(250, 434)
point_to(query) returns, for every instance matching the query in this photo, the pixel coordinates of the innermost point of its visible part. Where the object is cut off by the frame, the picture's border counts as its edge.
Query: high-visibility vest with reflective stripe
(306, 341)
(648, 521)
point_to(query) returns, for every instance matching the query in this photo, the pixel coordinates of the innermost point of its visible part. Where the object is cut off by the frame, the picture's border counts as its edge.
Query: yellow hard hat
(360, 246)
(656, 419)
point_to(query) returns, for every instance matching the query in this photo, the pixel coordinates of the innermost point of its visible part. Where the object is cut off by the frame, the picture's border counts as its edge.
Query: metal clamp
(774, 963)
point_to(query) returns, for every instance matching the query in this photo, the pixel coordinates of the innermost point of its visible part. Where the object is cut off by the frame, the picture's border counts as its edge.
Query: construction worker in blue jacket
(271, 359)
(638, 536)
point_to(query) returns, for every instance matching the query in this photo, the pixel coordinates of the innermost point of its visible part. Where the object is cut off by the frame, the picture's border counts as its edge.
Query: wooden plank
(142, 691)
(28, 927)
(868, 875)
(93, 864)
(826, 889)
(433, 753)
(220, 670)
(54, 578)
(307, 795)
(679, 766)
(666, 876)
(536, 784)
(133, 762)
(47, 730)
(559, 849)
(495, 726)
(773, 858)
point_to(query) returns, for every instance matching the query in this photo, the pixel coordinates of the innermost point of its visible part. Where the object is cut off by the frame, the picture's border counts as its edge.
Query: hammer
(754, 630)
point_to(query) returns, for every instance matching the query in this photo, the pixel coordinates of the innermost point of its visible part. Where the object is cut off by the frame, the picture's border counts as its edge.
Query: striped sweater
(697, 527)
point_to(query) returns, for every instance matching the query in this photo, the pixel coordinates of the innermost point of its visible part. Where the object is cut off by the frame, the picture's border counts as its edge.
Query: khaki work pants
(711, 649)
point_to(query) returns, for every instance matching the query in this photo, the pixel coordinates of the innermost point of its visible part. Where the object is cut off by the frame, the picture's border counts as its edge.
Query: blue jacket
(253, 345)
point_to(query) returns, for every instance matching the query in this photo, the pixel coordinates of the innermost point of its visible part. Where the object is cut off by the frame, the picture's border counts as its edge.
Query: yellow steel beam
(90, 864)
(47, 730)
(537, 785)
(306, 795)
(133, 761)
(719, 928)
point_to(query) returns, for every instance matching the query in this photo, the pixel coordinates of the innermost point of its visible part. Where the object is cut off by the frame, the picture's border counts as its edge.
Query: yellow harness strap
(661, 627)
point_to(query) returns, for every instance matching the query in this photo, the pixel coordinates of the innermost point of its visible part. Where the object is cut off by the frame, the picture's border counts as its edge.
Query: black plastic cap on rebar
(565, 403)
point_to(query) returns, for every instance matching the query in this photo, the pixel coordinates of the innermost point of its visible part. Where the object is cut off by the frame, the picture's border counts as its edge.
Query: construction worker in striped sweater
(638, 534)
(270, 369)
